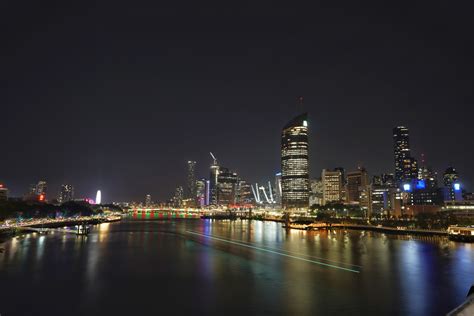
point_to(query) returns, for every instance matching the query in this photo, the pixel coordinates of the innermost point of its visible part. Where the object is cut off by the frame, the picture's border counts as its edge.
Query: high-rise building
(226, 187)
(191, 181)
(278, 192)
(244, 193)
(332, 186)
(3, 192)
(39, 188)
(66, 193)
(178, 197)
(148, 201)
(406, 168)
(294, 164)
(452, 187)
(316, 194)
(201, 192)
(357, 181)
(37, 192)
(213, 182)
(388, 179)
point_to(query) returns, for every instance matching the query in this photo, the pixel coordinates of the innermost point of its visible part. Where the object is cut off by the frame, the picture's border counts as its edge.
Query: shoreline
(7, 234)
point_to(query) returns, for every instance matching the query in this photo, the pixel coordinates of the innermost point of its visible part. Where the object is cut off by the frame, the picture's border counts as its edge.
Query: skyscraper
(406, 168)
(357, 181)
(39, 188)
(244, 193)
(452, 187)
(148, 200)
(278, 189)
(294, 164)
(178, 197)
(66, 193)
(191, 181)
(226, 187)
(332, 186)
(213, 181)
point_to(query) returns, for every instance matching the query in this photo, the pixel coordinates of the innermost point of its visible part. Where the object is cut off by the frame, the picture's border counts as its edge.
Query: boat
(461, 233)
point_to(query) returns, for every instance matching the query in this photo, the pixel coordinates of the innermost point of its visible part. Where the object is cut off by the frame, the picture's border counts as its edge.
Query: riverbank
(7, 233)
(381, 229)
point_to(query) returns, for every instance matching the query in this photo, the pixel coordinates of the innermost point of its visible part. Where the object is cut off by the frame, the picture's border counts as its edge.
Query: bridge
(80, 230)
(185, 213)
(159, 213)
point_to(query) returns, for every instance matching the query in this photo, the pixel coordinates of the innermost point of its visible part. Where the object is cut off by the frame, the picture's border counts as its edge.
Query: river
(209, 267)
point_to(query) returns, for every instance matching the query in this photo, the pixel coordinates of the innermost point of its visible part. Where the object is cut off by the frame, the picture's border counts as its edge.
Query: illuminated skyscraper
(40, 188)
(357, 181)
(148, 200)
(66, 194)
(201, 192)
(294, 164)
(452, 187)
(191, 183)
(226, 187)
(406, 168)
(332, 186)
(278, 189)
(213, 181)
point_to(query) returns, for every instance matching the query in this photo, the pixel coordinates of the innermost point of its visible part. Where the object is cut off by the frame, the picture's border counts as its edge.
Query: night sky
(119, 95)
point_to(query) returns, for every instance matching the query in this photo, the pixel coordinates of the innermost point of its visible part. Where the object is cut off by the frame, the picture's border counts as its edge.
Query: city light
(457, 187)
(98, 197)
(421, 184)
(407, 187)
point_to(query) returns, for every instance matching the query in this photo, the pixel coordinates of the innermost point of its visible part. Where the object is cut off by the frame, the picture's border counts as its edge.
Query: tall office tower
(343, 174)
(377, 180)
(294, 164)
(406, 169)
(244, 192)
(452, 187)
(213, 181)
(178, 197)
(316, 194)
(332, 186)
(226, 187)
(357, 181)
(3, 192)
(278, 192)
(41, 187)
(148, 200)
(388, 179)
(66, 193)
(201, 192)
(450, 176)
(207, 196)
(191, 181)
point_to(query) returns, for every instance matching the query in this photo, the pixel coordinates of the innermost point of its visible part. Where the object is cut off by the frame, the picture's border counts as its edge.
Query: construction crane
(213, 158)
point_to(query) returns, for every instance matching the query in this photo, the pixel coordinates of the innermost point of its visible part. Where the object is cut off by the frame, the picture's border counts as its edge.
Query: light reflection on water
(153, 262)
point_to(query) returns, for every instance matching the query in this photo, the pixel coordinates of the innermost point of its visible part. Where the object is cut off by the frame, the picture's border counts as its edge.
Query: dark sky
(119, 95)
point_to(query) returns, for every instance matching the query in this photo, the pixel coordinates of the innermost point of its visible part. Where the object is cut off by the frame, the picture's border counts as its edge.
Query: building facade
(406, 168)
(226, 187)
(66, 193)
(294, 164)
(191, 181)
(332, 186)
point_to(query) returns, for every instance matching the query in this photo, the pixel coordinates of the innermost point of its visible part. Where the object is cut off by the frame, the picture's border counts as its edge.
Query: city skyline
(97, 114)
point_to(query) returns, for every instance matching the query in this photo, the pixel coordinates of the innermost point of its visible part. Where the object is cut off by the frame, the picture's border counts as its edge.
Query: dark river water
(204, 267)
